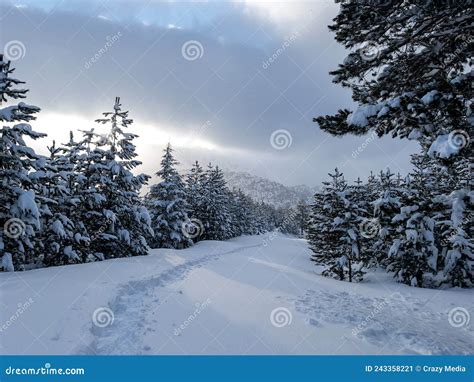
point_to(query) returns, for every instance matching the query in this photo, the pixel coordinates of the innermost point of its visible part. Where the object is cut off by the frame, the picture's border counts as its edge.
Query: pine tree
(216, 216)
(302, 218)
(168, 206)
(242, 214)
(413, 255)
(128, 220)
(380, 228)
(425, 44)
(57, 242)
(195, 183)
(334, 235)
(19, 213)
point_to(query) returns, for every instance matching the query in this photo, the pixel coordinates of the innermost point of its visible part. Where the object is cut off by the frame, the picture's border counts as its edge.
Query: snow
(220, 298)
(429, 97)
(360, 116)
(443, 147)
(26, 203)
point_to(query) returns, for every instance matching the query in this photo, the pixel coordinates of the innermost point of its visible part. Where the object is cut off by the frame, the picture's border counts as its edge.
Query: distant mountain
(268, 191)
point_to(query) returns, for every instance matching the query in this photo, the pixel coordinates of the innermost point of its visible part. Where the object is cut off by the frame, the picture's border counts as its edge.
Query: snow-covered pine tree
(380, 228)
(216, 217)
(362, 212)
(413, 255)
(56, 244)
(265, 217)
(410, 72)
(242, 214)
(195, 182)
(83, 174)
(19, 214)
(129, 221)
(302, 217)
(168, 207)
(288, 221)
(334, 234)
(454, 217)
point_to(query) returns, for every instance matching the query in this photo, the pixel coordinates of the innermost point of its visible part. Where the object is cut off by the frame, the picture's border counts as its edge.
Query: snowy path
(251, 295)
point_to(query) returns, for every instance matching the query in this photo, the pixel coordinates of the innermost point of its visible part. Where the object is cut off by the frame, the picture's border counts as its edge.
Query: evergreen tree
(216, 216)
(302, 218)
(413, 255)
(19, 213)
(168, 206)
(380, 228)
(58, 242)
(195, 183)
(334, 236)
(426, 44)
(128, 220)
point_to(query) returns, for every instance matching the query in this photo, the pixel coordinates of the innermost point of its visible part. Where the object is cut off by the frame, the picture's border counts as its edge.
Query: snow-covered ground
(250, 295)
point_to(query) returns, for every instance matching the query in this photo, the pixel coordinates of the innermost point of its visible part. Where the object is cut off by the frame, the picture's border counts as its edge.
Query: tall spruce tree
(58, 241)
(216, 216)
(413, 255)
(168, 206)
(334, 234)
(128, 220)
(19, 213)
(425, 44)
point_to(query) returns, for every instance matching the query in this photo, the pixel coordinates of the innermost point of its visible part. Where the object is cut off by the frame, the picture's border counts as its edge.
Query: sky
(235, 83)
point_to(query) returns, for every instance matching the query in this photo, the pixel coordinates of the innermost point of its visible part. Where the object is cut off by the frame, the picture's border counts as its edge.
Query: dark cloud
(233, 89)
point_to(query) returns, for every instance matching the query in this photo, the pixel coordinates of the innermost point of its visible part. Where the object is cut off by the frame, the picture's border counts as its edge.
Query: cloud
(258, 70)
